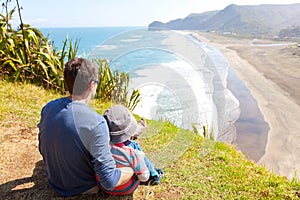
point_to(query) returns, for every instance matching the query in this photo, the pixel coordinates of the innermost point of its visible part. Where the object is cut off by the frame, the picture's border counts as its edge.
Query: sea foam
(186, 85)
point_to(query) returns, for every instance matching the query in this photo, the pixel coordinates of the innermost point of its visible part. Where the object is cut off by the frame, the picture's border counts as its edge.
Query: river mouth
(251, 128)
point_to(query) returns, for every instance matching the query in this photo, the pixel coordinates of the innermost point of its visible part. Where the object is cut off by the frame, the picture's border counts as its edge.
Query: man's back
(63, 152)
(66, 128)
(74, 139)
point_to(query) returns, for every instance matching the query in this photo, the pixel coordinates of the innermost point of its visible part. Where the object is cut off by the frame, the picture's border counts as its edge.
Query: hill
(195, 167)
(293, 32)
(261, 20)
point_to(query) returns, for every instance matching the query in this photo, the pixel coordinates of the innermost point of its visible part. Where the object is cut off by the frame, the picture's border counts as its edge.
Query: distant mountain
(258, 20)
(191, 22)
(290, 33)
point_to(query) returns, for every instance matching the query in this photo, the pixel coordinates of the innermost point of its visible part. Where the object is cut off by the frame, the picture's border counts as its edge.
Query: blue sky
(75, 13)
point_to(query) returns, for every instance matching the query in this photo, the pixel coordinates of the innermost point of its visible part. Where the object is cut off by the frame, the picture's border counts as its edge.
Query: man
(74, 139)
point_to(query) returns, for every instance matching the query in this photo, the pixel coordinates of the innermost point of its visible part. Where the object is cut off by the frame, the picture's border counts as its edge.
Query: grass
(195, 167)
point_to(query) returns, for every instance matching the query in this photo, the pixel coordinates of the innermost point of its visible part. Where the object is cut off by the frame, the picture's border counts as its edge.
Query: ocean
(89, 37)
(182, 80)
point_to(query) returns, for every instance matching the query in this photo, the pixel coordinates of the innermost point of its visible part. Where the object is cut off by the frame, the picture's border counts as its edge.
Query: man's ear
(91, 86)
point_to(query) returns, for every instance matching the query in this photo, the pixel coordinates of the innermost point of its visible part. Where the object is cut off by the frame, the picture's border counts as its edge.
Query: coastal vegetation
(26, 55)
(113, 86)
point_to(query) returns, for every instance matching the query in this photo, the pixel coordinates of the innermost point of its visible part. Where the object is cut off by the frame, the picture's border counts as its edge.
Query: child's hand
(142, 122)
(140, 129)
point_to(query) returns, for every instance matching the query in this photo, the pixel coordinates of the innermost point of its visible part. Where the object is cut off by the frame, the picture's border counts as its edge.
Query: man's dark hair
(78, 74)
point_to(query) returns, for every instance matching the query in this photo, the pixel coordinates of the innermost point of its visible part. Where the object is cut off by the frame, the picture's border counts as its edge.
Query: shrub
(113, 86)
(26, 55)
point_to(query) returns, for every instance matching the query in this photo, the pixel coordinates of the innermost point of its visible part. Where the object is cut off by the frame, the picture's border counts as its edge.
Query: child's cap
(121, 123)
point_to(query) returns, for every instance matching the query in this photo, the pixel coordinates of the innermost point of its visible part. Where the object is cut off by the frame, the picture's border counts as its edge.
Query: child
(123, 126)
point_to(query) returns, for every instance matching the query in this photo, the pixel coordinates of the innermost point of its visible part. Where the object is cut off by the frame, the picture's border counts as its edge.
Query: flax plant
(113, 86)
(26, 55)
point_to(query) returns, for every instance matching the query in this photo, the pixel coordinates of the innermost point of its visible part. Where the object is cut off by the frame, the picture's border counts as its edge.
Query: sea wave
(185, 85)
(176, 92)
(227, 104)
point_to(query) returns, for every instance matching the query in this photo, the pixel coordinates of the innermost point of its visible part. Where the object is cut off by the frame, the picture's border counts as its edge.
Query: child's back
(122, 125)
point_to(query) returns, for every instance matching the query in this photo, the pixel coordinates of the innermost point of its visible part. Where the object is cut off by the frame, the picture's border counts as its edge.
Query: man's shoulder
(56, 102)
(85, 111)
(55, 105)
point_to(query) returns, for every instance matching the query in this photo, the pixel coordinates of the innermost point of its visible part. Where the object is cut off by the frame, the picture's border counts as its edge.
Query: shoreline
(251, 127)
(196, 72)
(212, 66)
(278, 106)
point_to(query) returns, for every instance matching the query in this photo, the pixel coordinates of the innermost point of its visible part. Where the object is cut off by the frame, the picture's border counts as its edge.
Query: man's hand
(126, 174)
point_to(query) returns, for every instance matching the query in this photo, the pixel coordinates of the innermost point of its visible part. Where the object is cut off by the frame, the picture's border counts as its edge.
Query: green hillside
(195, 167)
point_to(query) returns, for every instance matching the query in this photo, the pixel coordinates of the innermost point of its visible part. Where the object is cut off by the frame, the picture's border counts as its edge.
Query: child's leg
(149, 164)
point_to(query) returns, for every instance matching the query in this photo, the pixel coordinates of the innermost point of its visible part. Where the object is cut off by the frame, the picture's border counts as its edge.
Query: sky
(90, 13)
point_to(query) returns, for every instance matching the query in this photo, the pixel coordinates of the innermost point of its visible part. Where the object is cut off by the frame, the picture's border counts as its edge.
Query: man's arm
(97, 143)
(126, 174)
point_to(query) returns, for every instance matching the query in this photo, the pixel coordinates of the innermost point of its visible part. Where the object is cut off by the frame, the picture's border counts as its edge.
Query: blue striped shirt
(128, 157)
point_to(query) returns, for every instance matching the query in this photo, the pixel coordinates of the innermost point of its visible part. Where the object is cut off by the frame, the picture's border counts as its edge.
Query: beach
(272, 74)
(270, 70)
